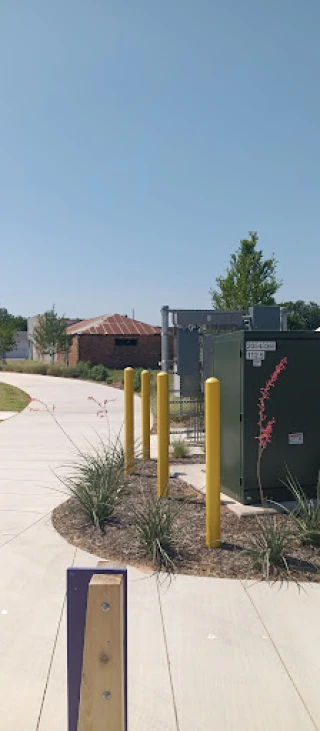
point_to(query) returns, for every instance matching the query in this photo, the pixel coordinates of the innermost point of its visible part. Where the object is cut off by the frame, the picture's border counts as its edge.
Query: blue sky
(140, 140)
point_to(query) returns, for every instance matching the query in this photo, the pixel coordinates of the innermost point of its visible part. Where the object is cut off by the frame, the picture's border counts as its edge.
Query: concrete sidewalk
(203, 653)
(7, 415)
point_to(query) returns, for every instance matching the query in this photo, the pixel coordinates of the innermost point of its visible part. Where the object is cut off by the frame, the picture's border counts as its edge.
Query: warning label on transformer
(296, 438)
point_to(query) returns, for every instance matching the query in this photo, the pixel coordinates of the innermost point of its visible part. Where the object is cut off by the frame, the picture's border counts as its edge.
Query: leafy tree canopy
(50, 334)
(250, 279)
(20, 322)
(302, 315)
(8, 331)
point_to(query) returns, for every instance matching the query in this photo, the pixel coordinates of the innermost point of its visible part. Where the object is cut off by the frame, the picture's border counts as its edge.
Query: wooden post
(102, 694)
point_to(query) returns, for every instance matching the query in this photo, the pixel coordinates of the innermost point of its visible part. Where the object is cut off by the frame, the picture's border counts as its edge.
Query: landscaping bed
(119, 541)
(191, 459)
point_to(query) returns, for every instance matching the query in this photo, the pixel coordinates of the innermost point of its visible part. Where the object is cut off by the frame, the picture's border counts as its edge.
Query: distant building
(20, 351)
(116, 341)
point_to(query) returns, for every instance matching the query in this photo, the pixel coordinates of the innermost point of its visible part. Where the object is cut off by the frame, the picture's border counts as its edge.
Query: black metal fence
(187, 417)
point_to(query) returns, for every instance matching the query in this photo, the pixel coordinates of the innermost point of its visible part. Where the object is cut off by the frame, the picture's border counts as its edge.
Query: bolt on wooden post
(128, 420)
(145, 405)
(212, 411)
(163, 433)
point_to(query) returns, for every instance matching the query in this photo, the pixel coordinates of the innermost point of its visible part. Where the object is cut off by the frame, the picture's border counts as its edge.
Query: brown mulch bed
(119, 541)
(192, 459)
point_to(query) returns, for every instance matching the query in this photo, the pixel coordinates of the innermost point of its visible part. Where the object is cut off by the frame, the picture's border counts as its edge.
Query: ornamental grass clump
(179, 449)
(269, 547)
(307, 512)
(97, 482)
(155, 529)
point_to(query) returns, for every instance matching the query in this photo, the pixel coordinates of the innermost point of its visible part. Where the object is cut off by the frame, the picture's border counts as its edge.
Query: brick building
(116, 341)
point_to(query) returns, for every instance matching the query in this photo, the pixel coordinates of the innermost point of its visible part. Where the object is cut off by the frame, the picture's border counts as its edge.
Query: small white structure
(32, 323)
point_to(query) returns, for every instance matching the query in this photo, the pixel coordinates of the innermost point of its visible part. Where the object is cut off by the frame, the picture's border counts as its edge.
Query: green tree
(250, 279)
(50, 334)
(302, 315)
(20, 322)
(8, 331)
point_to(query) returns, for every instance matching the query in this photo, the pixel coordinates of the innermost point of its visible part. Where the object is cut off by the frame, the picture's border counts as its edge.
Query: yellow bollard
(212, 409)
(145, 406)
(128, 420)
(163, 433)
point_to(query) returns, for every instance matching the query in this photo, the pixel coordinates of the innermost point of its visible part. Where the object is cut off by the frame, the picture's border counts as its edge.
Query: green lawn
(12, 399)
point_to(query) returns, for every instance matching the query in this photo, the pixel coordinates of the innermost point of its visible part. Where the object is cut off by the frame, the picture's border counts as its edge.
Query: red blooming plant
(266, 426)
(103, 410)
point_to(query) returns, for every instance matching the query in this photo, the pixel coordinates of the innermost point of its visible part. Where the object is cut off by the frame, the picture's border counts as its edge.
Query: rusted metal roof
(112, 325)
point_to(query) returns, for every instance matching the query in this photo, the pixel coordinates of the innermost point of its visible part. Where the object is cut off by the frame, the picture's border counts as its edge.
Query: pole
(165, 338)
(212, 410)
(163, 433)
(145, 404)
(128, 420)
(283, 318)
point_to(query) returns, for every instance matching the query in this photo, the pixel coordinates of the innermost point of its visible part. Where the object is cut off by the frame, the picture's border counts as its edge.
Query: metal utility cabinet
(243, 362)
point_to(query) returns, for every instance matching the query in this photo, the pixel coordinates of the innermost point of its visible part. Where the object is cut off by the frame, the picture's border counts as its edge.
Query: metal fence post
(128, 420)
(212, 415)
(165, 338)
(163, 433)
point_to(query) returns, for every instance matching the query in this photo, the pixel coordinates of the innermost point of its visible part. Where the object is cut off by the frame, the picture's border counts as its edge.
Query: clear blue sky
(141, 139)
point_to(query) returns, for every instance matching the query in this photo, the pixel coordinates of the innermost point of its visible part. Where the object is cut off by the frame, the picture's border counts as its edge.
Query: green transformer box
(244, 362)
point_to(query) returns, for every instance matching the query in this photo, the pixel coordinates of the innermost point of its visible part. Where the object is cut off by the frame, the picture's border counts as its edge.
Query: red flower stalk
(102, 411)
(265, 436)
(266, 429)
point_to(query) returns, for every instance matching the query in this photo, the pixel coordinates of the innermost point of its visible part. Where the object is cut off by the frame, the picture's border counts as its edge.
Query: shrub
(6, 367)
(98, 373)
(180, 449)
(38, 368)
(70, 372)
(137, 379)
(97, 482)
(307, 513)
(269, 546)
(28, 366)
(57, 369)
(155, 530)
(82, 369)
